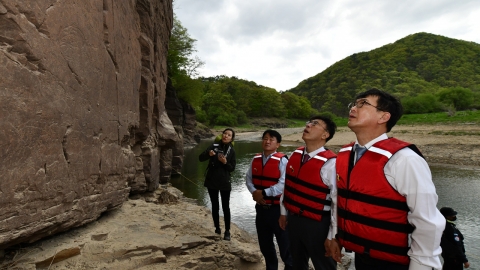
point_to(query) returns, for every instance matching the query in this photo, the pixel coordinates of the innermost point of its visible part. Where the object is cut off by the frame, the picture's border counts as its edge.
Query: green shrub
(422, 103)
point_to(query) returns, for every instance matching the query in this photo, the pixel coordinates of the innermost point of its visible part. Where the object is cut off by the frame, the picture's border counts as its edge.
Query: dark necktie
(360, 151)
(305, 158)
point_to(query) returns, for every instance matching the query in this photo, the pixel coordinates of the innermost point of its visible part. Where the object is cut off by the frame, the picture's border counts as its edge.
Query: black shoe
(227, 236)
(218, 231)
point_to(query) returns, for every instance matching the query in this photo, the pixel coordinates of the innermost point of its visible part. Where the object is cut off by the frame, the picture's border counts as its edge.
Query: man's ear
(385, 117)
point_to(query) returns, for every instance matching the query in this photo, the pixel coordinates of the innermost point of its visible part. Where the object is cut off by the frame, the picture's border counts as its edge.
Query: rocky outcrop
(162, 230)
(83, 119)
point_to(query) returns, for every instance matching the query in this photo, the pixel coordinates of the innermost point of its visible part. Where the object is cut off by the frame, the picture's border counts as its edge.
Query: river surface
(456, 188)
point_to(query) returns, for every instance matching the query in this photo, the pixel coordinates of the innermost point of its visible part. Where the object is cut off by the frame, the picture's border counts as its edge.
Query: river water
(457, 188)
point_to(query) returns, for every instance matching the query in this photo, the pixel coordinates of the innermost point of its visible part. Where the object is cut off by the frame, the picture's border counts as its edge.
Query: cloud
(279, 43)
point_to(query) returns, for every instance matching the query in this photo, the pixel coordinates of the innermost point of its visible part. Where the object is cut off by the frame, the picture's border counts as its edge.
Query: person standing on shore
(222, 162)
(386, 201)
(265, 179)
(453, 250)
(310, 180)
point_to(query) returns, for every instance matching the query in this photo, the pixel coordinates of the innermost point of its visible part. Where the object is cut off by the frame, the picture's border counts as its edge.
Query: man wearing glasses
(310, 179)
(386, 202)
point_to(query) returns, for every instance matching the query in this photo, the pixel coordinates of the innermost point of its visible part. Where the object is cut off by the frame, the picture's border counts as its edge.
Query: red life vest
(266, 176)
(305, 193)
(372, 215)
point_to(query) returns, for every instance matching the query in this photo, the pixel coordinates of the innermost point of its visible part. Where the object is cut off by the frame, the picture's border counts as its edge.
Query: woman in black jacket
(221, 162)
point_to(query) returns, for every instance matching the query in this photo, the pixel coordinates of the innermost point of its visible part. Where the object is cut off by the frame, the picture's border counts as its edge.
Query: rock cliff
(83, 121)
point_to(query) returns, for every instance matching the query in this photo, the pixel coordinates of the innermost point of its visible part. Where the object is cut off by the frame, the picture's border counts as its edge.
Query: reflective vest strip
(380, 151)
(320, 158)
(346, 149)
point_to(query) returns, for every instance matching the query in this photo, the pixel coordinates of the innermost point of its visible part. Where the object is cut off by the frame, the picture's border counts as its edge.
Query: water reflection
(460, 189)
(457, 188)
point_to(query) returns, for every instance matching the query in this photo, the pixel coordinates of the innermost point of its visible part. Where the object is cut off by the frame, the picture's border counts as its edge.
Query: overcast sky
(279, 43)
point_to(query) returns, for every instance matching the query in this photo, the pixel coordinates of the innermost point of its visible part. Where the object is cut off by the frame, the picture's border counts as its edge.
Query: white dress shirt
(409, 174)
(274, 190)
(328, 174)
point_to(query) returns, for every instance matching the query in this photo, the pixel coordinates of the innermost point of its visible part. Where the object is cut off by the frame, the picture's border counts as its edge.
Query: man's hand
(258, 197)
(282, 221)
(333, 249)
(466, 265)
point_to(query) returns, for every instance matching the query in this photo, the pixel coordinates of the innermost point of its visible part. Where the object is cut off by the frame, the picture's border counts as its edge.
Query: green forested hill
(418, 67)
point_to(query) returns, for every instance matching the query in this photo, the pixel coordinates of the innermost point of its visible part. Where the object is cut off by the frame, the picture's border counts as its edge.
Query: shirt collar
(372, 142)
(269, 156)
(313, 153)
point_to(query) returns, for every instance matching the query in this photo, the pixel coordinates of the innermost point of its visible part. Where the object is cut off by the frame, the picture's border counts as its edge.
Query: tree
(182, 65)
(460, 98)
(180, 59)
(296, 106)
(423, 103)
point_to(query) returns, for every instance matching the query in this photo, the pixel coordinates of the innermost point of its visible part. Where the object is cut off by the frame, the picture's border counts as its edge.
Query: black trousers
(452, 264)
(307, 241)
(364, 262)
(225, 195)
(267, 226)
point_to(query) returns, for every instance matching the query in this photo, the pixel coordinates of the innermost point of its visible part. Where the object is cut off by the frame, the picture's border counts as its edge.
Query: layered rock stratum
(83, 121)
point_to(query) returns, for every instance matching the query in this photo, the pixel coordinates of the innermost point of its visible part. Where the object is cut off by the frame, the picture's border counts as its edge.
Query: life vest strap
(305, 207)
(299, 193)
(369, 244)
(261, 177)
(307, 185)
(382, 224)
(389, 203)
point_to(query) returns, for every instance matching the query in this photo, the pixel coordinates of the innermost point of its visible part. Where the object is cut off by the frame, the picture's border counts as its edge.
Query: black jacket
(452, 243)
(217, 175)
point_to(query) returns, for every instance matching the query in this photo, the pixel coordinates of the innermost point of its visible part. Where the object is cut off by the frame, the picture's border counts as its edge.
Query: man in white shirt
(310, 179)
(386, 200)
(265, 179)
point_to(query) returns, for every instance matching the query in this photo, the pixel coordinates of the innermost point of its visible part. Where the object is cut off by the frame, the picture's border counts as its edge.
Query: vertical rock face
(82, 119)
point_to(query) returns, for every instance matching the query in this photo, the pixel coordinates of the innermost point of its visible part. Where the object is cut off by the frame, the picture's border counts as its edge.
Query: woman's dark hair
(331, 126)
(387, 103)
(233, 133)
(273, 133)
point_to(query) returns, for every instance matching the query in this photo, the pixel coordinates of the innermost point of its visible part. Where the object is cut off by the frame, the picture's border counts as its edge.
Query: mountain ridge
(417, 63)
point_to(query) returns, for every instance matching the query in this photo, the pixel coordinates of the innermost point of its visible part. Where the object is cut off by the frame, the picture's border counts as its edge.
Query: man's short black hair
(330, 125)
(387, 103)
(273, 133)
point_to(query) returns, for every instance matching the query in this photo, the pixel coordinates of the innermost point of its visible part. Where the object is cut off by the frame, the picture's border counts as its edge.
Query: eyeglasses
(314, 123)
(359, 104)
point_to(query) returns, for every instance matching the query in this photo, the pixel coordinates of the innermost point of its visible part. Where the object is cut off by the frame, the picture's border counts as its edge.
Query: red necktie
(305, 158)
